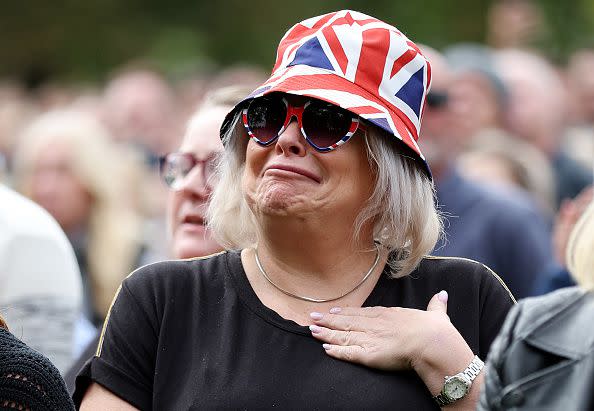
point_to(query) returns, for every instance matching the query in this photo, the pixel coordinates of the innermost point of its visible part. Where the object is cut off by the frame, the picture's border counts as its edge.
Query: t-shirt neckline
(249, 297)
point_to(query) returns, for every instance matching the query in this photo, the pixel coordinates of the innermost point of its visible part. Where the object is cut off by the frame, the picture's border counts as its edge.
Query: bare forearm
(447, 357)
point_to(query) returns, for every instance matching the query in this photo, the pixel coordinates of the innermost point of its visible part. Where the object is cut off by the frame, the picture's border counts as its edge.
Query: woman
(66, 163)
(332, 213)
(189, 175)
(28, 380)
(543, 358)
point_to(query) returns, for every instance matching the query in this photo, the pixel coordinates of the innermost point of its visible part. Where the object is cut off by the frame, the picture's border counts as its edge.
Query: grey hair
(402, 207)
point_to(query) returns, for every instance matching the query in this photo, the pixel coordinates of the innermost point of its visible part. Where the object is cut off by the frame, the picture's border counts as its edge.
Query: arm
(98, 398)
(125, 361)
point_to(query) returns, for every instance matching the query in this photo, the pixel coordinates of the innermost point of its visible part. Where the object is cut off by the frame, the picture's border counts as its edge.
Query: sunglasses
(175, 167)
(437, 99)
(324, 125)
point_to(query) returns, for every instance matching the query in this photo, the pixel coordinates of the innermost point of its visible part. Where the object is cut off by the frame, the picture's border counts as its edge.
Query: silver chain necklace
(318, 300)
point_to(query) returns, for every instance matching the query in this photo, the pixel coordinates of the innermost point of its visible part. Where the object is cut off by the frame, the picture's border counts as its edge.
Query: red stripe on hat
(336, 47)
(348, 19)
(376, 43)
(402, 130)
(402, 61)
(413, 46)
(367, 110)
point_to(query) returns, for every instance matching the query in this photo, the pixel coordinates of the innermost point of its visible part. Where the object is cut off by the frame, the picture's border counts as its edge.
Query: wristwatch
(457, 386)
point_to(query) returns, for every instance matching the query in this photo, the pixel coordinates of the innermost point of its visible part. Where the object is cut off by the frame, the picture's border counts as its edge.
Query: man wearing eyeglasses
(505, 233)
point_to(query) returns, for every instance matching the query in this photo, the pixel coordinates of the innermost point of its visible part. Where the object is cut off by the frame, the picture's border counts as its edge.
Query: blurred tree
(84, 40)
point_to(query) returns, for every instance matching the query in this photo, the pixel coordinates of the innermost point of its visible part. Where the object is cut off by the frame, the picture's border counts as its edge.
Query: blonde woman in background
(543, 357)
(67, 163)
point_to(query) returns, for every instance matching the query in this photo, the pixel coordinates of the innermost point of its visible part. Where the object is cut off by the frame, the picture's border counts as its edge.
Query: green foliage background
(82, 40)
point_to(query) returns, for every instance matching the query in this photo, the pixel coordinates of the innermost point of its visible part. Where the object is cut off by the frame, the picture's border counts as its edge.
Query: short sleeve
(496, 302)
(125, 359)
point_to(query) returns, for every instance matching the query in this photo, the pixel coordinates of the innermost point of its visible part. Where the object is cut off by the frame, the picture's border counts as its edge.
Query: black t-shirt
(192, 334)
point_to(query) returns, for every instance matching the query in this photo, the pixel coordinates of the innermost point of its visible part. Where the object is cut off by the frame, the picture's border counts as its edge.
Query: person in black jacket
(544, 357)
(28, 380)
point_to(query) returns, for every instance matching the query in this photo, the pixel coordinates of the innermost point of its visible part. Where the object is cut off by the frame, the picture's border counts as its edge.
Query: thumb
(439, 302)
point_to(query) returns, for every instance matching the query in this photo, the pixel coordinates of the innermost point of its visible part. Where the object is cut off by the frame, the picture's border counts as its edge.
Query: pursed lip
(294, 169)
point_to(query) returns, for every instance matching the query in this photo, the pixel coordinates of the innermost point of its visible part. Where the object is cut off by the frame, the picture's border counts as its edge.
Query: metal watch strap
(473, 370)
(470, 373)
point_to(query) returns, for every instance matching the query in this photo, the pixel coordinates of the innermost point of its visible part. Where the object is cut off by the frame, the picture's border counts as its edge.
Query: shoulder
(462, 271)
(458, 266)
(535, 313)
(163, 275)
(499, 209)
(510, 205)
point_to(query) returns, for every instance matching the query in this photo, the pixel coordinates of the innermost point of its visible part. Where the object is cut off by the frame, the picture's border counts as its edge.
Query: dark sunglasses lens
(325, 124)
(437, 99)
(265, 118)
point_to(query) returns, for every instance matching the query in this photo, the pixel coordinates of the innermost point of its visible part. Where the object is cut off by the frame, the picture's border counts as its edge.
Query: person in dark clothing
(326, 297)
(28, 380)
(505, 232)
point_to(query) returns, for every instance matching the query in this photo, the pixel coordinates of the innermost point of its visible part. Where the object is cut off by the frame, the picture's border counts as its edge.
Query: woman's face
(186, 208)
(290, 178)
(55, 186)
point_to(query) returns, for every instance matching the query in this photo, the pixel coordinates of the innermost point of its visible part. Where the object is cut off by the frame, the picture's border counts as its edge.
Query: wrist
(446, 354)
(456, 387)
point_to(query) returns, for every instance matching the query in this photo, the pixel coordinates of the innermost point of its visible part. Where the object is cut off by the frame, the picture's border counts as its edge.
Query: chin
(280, 201)
(190, 248)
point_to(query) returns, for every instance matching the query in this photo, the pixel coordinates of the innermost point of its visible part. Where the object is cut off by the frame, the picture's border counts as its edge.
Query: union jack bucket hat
(359, 63)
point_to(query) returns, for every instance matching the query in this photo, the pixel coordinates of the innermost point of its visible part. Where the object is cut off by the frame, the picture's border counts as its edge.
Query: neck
(314, 258)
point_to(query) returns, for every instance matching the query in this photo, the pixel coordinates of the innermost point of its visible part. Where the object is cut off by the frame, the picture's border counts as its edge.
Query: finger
(336, 337)
(439, 302)
(357, 311)
(351, 353)
(341, 322)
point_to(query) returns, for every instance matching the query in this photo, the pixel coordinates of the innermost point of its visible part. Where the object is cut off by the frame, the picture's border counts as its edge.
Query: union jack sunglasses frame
(297, 112)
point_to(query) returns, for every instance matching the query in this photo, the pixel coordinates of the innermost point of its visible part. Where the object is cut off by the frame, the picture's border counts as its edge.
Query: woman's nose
(196, 183)
(291, 140)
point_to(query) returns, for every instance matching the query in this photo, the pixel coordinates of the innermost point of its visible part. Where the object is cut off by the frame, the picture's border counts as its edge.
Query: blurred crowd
(509, 136)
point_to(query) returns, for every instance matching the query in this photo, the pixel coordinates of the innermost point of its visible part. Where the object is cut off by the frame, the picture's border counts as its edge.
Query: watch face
(456, 387)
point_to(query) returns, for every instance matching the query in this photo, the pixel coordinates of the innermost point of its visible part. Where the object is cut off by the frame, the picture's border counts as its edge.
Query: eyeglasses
(174, 168)
(437, 99)
(324, 125)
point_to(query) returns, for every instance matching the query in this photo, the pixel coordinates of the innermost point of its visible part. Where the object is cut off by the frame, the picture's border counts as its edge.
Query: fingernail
(315, 329)
(316, 316)
(443, 296)
(326, 346)
(335, 310)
